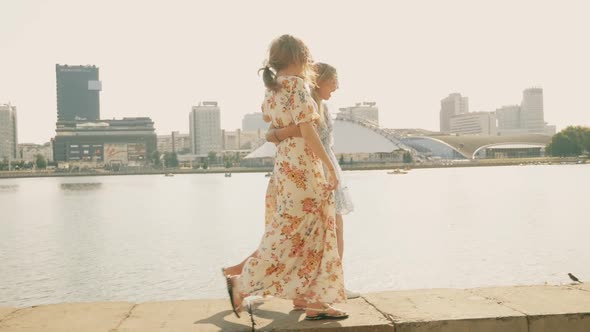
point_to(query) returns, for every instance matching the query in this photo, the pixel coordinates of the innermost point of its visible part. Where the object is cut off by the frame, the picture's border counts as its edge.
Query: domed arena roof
(350, 136)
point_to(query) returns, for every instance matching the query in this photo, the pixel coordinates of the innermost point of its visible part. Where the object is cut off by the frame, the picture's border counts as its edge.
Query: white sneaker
(351, 295)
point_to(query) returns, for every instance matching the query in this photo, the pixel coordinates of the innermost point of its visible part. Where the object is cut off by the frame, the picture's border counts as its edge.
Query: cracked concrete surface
(516, 308)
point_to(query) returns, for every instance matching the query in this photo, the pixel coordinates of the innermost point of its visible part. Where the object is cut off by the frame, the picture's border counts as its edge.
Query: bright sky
(157, 58)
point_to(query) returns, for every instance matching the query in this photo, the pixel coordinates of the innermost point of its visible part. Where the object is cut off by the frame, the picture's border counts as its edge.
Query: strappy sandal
(230, 292)
(324, 314)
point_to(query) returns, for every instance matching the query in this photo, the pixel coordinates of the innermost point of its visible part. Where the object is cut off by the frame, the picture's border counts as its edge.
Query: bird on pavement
(574, 278)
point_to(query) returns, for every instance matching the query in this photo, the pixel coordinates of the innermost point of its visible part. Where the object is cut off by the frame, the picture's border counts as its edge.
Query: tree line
(570, 142)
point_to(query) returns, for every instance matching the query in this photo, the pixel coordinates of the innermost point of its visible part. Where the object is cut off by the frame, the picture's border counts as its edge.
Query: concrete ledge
(277, 315)
(196, 315)
(5, 311)
(67, 317)
(506, 309)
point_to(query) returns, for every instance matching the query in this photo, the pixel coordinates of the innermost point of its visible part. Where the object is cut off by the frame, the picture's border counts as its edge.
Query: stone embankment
(507, 309)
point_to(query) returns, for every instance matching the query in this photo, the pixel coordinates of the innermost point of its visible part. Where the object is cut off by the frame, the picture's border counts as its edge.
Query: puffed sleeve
(302, 106)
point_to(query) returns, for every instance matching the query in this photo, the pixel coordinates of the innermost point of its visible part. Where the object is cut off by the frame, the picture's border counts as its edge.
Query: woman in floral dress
(327, 83)
(298, 256)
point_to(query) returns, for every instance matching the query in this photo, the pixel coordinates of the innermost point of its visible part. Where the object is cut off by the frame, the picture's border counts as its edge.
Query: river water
(146, 238)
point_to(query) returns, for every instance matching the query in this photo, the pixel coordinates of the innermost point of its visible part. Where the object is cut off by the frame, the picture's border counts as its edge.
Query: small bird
(574, 278)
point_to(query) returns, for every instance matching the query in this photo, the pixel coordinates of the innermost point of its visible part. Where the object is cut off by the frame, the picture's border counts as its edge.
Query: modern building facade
(508, 119)
(526, 118)
(365, 111)
(454, 104)
(127, 142)
(242, 140)
(29, 151)
(175, 142)
(8, 132)
(475, 123)
(453, 147)
(253, 122)
(78, 93)
(531, 110)
(205, 128)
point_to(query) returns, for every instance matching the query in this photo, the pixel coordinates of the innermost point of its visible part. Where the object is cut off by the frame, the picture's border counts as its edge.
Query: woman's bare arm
(276, 135)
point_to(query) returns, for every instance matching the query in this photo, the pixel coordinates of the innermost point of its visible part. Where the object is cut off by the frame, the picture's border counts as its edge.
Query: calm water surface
(145, 238)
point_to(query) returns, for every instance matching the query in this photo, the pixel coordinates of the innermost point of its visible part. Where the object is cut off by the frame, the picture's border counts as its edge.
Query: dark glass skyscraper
(78, 92)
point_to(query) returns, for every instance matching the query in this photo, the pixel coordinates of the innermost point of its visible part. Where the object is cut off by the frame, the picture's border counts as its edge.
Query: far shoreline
(345, 167)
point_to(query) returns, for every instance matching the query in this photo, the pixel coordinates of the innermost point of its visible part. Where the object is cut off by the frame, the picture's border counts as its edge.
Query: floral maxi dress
(298, 254)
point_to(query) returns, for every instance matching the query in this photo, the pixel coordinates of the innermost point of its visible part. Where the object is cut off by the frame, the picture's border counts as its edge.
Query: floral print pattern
(298, 256)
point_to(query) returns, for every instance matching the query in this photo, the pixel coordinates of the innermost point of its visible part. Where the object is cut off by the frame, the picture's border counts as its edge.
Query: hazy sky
(157, 58)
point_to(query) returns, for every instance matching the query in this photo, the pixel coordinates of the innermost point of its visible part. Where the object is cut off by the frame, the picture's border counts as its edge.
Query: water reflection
(8, 188)
(150, 238)
(81, 186)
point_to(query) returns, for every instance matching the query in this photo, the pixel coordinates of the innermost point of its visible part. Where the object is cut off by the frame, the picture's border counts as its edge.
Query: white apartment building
(205, 128)
(365, 111)
(29, 151)
(8, 132)
(526, 118)
(475, 123)
(450, 106)
(175, 142)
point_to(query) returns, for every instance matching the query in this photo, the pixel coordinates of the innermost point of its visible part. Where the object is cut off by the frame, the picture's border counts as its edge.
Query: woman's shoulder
(291, 83)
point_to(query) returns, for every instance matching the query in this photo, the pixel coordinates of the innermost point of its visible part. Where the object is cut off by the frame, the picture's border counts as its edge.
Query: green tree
(155, 158)
(408, 157)
(171, 159)
(40, 161)
(212, 157)
(572, 141)
(341, 161)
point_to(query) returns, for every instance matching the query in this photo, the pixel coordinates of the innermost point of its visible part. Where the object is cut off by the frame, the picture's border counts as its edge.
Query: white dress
(341, 195)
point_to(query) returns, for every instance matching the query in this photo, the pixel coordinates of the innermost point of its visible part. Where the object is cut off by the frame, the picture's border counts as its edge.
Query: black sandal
(324, 315)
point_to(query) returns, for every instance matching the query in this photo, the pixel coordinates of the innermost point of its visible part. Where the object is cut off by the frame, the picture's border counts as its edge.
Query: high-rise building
(366, 112)
(509, 120)
(450, 106)
(254, 121)
(508, 117)
(526, 118)
(531, 110)
(8, 132)
(475, 123)
(205, 128)
(78, 89)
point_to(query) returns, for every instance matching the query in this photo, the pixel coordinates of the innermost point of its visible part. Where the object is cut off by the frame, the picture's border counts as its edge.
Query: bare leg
(340, 235)
(237, 269)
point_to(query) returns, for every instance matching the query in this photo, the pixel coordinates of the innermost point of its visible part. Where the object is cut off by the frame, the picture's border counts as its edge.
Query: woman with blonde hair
(327, 83)
(297, 256)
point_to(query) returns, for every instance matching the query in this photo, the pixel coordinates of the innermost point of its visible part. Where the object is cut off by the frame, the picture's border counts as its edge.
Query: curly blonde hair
(284, 51)
(324, 72)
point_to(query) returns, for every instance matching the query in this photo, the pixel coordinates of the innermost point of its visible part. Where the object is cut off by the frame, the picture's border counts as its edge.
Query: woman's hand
(332, 179)
(276, 135)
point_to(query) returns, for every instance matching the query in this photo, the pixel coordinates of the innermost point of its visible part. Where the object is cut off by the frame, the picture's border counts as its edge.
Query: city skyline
(404, 56)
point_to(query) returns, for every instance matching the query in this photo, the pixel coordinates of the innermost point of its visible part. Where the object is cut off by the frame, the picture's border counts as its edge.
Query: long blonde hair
(324, 72)
(284, 51)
